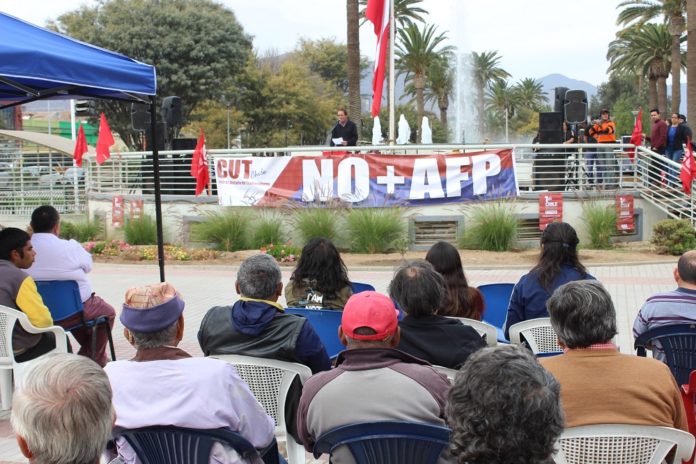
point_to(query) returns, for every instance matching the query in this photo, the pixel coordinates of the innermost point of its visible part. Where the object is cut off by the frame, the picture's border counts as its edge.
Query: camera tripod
(575, 172)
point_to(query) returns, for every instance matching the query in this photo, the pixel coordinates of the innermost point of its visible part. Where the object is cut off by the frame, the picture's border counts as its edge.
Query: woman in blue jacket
(558, 264)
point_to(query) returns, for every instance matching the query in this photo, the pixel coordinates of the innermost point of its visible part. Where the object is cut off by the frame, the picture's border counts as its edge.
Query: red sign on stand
(136, 209)
(117, 211)
(550, 209)
(624, 213)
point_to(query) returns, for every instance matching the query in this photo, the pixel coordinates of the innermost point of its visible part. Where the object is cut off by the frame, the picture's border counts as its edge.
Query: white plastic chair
(269, 380)
(623, 444)
(539, 334)
(8, 318)
(483, 328)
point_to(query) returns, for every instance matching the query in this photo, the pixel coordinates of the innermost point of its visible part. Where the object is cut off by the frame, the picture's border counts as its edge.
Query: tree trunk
(662, 92)
(481, 109)
(354, 63)
(676, 27)
(691, 58)
(652, 93)
(419, 84)
(443, 105)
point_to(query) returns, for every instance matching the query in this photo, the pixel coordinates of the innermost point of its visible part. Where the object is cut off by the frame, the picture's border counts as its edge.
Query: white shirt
(199, 393)
(58, 259)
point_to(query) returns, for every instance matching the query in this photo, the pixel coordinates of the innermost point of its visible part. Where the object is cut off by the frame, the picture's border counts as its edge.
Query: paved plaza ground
(205, 286)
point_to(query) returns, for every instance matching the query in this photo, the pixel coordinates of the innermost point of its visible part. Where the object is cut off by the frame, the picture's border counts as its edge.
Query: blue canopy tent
(36, 63)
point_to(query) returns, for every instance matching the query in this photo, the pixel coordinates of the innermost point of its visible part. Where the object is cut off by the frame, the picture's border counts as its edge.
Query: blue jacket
(528, 300)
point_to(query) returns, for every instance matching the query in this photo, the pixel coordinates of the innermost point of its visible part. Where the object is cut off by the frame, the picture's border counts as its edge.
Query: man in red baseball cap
(372, 380)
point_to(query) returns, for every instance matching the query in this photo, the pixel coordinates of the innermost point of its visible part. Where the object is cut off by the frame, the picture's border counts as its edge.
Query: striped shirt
(668, 308)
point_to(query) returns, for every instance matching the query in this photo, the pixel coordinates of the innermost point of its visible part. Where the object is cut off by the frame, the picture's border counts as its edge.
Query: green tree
(417, 50)
(691, 57)
(353, 62)
(439, 85)
(196, 45)
(485, 69)
(502, 100)
(406, 12)
(530, 94)
(618, 86)
(639, 12)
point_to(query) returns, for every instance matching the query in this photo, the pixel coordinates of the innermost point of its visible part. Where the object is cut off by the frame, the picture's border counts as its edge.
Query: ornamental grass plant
(600, 220)
(268, 229)
(140, 231)
(316, 222)
(375, 230)
(491, 227)
(82, 231)
(227, 230)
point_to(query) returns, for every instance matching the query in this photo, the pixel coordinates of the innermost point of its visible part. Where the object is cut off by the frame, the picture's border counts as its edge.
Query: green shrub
(316, 222)
(601, 224)
(227, 230)
(492, 227)
(375, 230)
(268, 229)
(141, 231)
(674, 236)
(81, 231)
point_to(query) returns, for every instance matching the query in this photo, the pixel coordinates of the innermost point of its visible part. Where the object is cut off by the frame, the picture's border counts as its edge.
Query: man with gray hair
(62, 413)
(443, 341)
(504, 407)
(599, 385)
(257, 326)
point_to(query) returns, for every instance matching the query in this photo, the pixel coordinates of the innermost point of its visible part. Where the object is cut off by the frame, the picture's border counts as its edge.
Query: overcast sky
(534, 38)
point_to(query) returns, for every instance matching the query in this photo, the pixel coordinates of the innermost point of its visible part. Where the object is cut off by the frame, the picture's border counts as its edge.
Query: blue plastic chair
(179, 445)
(358, 287)
(679, 344)
(497, 299)
(387, 442)
(325, 323)
(62, 297)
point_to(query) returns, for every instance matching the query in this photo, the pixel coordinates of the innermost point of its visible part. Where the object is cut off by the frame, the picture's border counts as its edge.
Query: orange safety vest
(604, 132)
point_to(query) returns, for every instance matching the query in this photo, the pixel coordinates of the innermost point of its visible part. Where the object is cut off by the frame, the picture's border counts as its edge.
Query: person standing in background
(345, 129)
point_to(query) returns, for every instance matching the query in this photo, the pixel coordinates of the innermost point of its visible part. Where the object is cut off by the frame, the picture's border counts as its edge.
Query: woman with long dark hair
(460, 299)
(320, 279)
(558, 264)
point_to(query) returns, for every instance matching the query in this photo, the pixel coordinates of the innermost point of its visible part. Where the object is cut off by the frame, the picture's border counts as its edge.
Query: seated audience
(504, 408)
(58, 259)
(372, 380)
(669, 308)
(419, 290)
(558, 264)
(164, 385)
(62, 412)
(320, 279)
(18, 291)
(599, 385)
(460, 299)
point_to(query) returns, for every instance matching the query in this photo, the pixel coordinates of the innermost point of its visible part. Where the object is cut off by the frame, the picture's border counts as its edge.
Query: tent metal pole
(158, 193)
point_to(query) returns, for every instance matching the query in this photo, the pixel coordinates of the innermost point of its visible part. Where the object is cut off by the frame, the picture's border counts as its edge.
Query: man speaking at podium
(345, 132)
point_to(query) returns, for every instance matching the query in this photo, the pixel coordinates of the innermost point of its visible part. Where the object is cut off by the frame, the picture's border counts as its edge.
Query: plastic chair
(497, 299)
(679, 344)
(688, 394)
(325, 322)
(487, 331)
(62, 297)
(538, 335)
(358, 287)
(270, 380)
(8, 318)
(387, 442)
(623, 444)
(179, 445)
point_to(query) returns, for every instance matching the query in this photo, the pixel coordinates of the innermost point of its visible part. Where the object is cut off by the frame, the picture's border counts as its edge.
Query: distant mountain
(552, 81)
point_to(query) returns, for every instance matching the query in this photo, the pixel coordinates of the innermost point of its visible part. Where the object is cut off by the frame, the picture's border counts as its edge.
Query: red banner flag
(550, 209)
(104, 140)
(688, 168)
(625, 220)
(117, 211)
(637, 135)
(377, 12)
(199, 165)
(80, 146)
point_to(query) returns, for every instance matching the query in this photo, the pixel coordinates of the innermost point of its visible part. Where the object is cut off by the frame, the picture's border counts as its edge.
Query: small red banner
(550, 209)
(136, 209)
(117, 211)
(624, 213)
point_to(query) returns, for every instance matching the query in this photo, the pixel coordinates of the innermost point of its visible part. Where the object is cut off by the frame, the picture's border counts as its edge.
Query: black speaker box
(172, 112)
(575, 105)
(548, 170)
(551, 136)
(140, 117)
(184, 144)
(558, 100)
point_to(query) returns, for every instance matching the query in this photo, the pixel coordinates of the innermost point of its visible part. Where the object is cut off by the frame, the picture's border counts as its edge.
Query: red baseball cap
(369, 309)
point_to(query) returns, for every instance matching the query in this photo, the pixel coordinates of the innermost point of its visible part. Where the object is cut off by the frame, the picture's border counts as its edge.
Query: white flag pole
(392, 111)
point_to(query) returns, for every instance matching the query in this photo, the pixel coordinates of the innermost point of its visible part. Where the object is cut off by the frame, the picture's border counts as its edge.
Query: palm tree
(406, 12)
(502, 100)
(639, 12)
(416, 52)
(530, 93)
(691, 58)
(439, 85)
(644, 50)
(353, 67)
(484, 70)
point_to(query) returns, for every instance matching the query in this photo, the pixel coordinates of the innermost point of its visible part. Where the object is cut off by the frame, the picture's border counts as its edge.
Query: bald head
(686, 267)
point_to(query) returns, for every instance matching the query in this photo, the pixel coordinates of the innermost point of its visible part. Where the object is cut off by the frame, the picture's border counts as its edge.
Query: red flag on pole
(377, 12)
(199, 165)
(688, 168)
(80, 146)
(637, 135)
(104, 140)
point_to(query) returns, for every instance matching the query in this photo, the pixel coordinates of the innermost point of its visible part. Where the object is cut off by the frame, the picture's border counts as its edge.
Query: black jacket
(349, 133)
